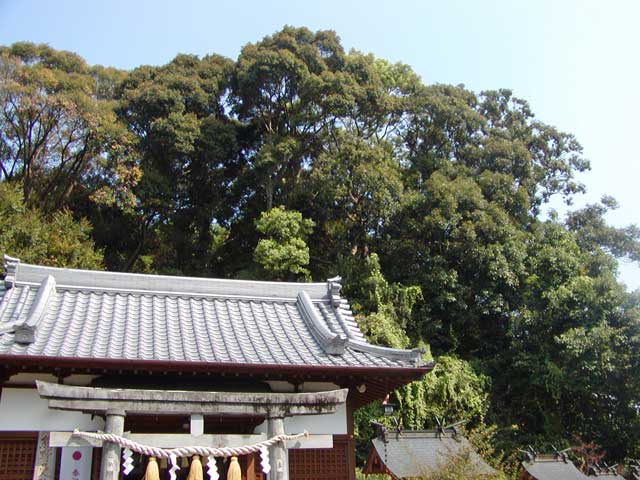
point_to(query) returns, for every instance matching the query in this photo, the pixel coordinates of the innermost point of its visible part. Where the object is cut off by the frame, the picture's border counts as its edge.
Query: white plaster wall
(334, 423)
(30, 378)
(25, 378)
(318, 387)
(22, 409)
(329, 424)
(288, 387)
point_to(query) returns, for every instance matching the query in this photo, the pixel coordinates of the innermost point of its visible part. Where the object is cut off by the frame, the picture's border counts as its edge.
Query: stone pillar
(278, 453)
(110, 467)
(45, 465)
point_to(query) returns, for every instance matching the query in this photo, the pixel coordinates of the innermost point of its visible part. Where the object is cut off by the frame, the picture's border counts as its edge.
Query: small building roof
(414, 453)
(604, 472)
(80, 314)
(552, 467)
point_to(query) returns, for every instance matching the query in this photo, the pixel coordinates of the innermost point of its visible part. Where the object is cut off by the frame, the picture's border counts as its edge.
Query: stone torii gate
(115, 404)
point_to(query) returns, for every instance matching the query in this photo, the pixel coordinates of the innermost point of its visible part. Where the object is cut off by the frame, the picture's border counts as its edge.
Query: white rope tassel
(212, 468)
(127, 461)
(264, 460)
(172, 453)
(174, 466)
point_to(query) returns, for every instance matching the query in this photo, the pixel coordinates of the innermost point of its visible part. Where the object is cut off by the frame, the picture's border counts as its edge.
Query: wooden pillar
(110, 467)
(278, 453)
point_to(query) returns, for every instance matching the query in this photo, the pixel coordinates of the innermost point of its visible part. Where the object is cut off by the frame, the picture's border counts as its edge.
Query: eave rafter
(378, 381)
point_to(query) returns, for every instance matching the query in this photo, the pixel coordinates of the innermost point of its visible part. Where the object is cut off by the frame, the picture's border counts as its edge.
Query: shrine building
(553, 466)
(181, 363)
(404, 454)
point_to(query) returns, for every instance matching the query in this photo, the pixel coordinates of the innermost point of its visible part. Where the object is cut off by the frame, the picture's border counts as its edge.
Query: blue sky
(575, 61)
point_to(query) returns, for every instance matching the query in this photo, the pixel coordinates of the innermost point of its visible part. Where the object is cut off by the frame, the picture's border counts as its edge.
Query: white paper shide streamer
(127, 461)
(264, 460)
(174, 467)
(158, 452)
(212, 468)
(129, 446)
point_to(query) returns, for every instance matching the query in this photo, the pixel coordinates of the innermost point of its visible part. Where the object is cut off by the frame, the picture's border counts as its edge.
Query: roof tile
(100, 321)
(411, 454)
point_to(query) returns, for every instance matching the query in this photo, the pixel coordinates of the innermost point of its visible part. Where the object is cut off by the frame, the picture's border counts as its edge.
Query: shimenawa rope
(186, 451)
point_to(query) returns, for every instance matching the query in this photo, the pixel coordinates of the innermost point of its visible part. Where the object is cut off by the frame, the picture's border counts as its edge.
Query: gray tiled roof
(86, 314)
(416, 453)
(605, 472)
(607, 476)
(553, 467)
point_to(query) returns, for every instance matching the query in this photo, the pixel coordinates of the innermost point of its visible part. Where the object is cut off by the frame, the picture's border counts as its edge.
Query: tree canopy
(300, 160)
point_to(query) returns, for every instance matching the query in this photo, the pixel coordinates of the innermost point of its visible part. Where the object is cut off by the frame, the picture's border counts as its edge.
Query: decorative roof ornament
(530, 453)
(563, 454)
(10, 268)
(602, 470)
(334, 285)
(551, 466)
(25, 332)
(332, 343)
(452, 428)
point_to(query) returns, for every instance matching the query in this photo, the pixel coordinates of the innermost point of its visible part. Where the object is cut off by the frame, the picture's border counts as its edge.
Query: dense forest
(301, 161)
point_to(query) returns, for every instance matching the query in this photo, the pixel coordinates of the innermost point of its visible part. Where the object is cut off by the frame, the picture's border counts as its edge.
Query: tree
(286, 88)
(427, 199)
(55, 240)
(58, 132)
(452, 392)
(282, 251)
(190, 154)
(359, 188)
(570, 357)
(593, 233)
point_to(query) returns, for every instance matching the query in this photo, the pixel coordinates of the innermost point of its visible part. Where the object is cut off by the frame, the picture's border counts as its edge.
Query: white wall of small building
(22, 409)
(334, 423)
(328, 424)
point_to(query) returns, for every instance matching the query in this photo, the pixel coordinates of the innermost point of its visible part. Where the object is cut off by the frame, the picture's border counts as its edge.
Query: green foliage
(482, 439)
(282, 251)
(459, 466)
(55, 240)
(453, 391)
(382, 309)
(592, 231)
(361, 185)
(59, 135)
(362, 476)
(425, 198)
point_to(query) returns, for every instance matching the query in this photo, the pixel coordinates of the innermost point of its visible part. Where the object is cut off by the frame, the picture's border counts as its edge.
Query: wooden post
(278, 453)
(110, 467)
